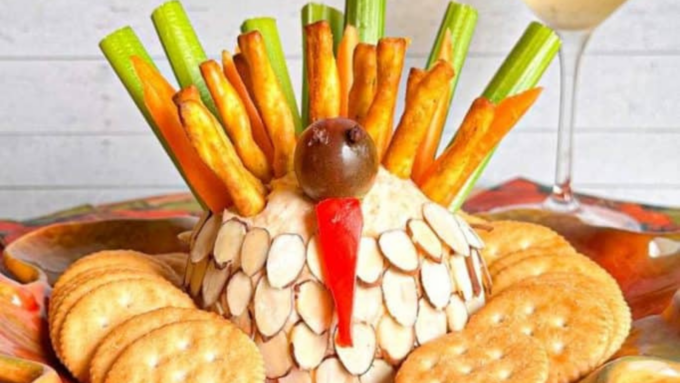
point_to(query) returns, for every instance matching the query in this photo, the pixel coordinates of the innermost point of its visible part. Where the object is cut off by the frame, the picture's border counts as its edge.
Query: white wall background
(69, 134)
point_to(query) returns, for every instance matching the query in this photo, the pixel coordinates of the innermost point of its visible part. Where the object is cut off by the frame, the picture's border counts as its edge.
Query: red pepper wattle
(340, 223)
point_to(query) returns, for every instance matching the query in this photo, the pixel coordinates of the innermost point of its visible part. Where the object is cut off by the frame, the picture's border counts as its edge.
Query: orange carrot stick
(482, 130)
(235, 120)
(322, 72)
(362, 92)
(416, 119)
(378, 121)
(415, 76)
(158, 95)
(259, 131)
(345, 60)
(428, 148)
(244, 72)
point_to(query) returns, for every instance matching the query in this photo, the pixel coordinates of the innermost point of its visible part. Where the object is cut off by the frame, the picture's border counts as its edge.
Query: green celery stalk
(270, 33)
(368, 16)
(182, 47)
(118, 47)
(521, 71)
(310, 14)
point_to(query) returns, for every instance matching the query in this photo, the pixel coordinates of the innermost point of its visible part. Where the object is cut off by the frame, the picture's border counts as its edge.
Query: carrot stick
(428, 148)
(416, 119)
(235, 120)
(270, 101)
(378, 121)
(158, 95)
(189, 93)
(349, 42)
(217, 152)
(415, 76)
(243, 70)
(362, 92)
(483, 128)
(259, 131)
(322, 72)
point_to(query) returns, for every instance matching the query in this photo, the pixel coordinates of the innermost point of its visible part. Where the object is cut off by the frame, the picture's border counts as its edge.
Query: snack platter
(332, 247)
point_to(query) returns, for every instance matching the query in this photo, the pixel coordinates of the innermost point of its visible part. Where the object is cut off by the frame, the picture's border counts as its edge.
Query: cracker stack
(555, 316)
(118, 316)
(415, 283)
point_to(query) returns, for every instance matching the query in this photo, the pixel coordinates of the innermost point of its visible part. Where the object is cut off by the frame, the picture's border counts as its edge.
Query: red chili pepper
(340, 224)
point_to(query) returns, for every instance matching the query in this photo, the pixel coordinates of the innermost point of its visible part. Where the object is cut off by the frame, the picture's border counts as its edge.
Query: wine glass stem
(573, 44)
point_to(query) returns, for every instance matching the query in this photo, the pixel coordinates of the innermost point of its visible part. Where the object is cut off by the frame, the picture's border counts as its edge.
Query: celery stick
(118, 47)
(368, 16)
(182, 47)
(310, 14)
(270, 33)
(521, 71)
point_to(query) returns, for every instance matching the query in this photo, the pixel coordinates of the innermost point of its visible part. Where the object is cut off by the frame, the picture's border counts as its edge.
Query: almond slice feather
(397, 247)
(380, 372)
(395, 340)
(285, 260)
(272, 307)
(213, 283)
(368, 304)
(401, 296)
(314, 304)
(308, 348)
(431, 323)
(444, 224)
(277, 360)
(456, 313)
(204, 240)
(239, 293)
(314, 258)
(460, 276)
(332, 371)
(425, 239)
(228, 243)
(254, 250)
(358, 358)
(244, 322)
(471, 236)
(370, 263)
(436, 281)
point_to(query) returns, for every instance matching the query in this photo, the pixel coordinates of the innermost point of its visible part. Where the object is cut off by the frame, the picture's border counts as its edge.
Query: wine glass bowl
(573, 15)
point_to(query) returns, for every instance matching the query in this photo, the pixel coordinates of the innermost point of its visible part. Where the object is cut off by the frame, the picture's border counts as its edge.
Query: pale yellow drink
(573, 14)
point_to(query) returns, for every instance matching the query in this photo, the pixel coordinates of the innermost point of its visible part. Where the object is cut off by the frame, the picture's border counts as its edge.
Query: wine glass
(574, 21)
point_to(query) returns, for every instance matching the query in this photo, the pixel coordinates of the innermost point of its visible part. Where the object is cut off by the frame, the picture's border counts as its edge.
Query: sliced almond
(460, 276)
(436, 281)
(444, 224)
(358, 358)
(204, 240)
(272, 307)
(205, 216)
(185, 237)
(487, 282)
(314, 304)
(431, 323)
(395, 340)
(297, 376)
(456, 313)
(213, 283)
(255, 278)
(397, 247)
(314, 258)
(470, 235)
(308, 347)
(401, 296)
(475, 303)
(197, 276)
(293, 320)
(370, 263)
(425, 239)
(275, 352)
(188, 273)
(332, 371)
(228, 243)
(239, 293)
(285, 260)
(244, 322)
(380, 372)
(475, 276)
(368, 304)
(254, 250)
